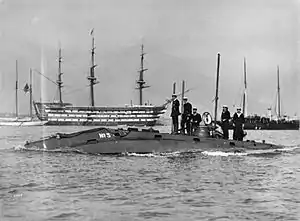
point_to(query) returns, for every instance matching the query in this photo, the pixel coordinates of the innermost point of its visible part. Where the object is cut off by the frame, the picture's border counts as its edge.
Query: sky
(181, 39)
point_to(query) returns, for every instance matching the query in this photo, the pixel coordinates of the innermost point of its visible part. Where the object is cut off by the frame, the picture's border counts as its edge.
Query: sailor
(186, 117)
(196, 119)
(238, 124)
(225, 117)
(175, 113)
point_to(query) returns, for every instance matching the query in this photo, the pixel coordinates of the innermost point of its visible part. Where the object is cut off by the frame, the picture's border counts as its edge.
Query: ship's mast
(141, 83)
(174, 88)
(92, 77)
(17, 112)
(182, 95)
(217, 89)
(30, 93)
(245, 90)
(278, 92)
(174, 92)
(59, 80)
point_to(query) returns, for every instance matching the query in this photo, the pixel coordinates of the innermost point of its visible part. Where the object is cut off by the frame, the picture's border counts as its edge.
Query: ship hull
(117, 141)
(91, 123)
(55, 114)
(294, 125)
(18, 122)
(272, 126)
(23, 123)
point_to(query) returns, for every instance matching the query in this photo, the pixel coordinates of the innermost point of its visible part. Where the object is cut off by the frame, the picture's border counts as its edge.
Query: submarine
(104, 140)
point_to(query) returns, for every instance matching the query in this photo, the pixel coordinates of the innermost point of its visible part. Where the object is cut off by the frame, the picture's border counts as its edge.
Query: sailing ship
(257, 122)
(61, 113)
(18, 120)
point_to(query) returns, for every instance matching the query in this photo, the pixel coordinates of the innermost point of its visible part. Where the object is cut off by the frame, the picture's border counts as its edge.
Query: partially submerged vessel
(61, 113)
(132, 140)
(119, 141)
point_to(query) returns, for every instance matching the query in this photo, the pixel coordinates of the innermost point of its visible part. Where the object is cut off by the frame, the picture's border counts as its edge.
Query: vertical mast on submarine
(141, 83)
(245, 90)
(182, 96)
(59, 80)
(174, 92)
(17, 80)
(30, 94)
(174, 88)
(278, 91)
(92, 77)
(217, 90)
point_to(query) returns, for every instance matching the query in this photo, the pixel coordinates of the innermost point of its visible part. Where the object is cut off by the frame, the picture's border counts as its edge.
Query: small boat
(19, 123)
(119, 141)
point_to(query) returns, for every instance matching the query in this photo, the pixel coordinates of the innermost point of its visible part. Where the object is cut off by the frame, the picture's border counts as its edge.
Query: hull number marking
(104, 135)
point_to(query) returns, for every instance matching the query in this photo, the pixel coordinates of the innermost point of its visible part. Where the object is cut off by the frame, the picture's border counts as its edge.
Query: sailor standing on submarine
(186, 116)
(225, 117)
(238, 121)
(175, 113)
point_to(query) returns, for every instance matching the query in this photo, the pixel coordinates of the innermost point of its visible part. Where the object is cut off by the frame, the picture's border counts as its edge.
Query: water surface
(40, 186)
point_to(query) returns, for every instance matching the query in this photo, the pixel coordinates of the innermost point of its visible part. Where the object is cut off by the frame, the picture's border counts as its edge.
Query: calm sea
(37, 186)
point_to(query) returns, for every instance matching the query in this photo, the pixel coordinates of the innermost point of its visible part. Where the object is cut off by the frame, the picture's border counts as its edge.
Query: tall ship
(269, 122)
(61, 113)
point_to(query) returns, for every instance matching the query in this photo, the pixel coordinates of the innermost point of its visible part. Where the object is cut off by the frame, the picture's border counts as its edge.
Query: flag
(92, 31)
(26, 88)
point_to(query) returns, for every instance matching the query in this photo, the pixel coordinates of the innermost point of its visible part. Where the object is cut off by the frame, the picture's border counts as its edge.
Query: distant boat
(257, 122)
(24, 121)
(60, 113)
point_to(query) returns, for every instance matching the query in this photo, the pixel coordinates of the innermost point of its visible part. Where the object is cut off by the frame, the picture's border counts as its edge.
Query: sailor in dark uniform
(238, 124)
(186, 117)
(225, 117)
(175, 113)
(196, 119)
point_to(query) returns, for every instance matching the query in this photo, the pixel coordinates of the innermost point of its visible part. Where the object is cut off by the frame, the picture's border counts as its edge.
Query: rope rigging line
(45, 77)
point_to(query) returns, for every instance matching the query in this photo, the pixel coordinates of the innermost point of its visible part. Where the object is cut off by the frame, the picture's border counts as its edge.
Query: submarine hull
(117, 141)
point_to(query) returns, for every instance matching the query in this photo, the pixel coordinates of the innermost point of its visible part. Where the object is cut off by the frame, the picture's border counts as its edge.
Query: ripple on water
(178, 186)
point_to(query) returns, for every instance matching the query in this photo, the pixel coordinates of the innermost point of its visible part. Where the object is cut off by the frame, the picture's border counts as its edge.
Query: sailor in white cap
(225, 118)
(238, 123)
(186, 116)
(175, 113)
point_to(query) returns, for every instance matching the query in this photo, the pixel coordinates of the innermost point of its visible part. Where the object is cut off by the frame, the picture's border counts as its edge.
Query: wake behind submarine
(132, 140)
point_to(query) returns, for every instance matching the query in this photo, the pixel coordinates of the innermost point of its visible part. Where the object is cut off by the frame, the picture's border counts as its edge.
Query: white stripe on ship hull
(101, 120)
